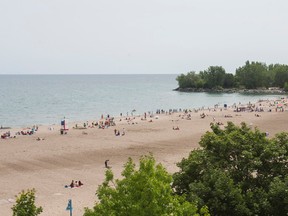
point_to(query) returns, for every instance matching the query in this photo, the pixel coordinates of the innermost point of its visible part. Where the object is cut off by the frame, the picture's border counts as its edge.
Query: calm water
(45, 99)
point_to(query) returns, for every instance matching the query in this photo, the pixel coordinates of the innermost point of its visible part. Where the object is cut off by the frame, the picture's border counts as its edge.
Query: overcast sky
(139, 37)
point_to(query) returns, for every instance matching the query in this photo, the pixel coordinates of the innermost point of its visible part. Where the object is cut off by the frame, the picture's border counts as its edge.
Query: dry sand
(50, 164)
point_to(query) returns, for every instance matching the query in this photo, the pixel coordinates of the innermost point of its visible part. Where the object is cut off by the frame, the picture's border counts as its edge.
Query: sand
(50, 164)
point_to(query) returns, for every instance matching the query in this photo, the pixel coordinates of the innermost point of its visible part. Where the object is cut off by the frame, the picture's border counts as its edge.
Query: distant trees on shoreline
(252, 75)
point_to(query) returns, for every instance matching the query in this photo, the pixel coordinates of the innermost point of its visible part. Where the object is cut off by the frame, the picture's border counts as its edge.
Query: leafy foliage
(281, 75)
(25, 204)
(286, 86)
(146, 191)
(238, 171)
(229, 81)
(190, 80)
(252, 75)
(213, 77)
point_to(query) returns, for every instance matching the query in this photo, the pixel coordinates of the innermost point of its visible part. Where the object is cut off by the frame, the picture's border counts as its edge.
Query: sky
(139, 37)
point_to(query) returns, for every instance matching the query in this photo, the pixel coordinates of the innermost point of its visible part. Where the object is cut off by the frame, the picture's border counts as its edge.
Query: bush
(146, 191)
(25, 204)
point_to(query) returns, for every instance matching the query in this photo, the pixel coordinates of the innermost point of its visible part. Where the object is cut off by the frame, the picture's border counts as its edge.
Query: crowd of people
(108, 121)
(29, 131)
(6, 135)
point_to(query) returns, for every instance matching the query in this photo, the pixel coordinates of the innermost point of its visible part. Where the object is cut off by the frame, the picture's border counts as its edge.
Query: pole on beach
(69, 207)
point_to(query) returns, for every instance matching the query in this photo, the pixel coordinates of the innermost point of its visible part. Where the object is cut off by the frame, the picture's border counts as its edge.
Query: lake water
(45, 99)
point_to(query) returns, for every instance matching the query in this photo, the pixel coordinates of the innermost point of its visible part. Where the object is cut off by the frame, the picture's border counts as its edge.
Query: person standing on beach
(106, 164)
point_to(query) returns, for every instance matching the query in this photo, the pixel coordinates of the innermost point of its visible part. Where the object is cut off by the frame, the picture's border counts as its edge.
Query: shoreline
(29, 126)
(13, 121)
(53, 161)
(234, 90)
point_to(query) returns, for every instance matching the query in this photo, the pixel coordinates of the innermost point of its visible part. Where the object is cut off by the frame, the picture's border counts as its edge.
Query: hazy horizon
(139, 37)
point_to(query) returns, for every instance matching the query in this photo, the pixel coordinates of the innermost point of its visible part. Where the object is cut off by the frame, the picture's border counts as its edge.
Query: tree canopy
(237, 171)
(252, 75)
(146, 191)
(25, 204)
(213, 77)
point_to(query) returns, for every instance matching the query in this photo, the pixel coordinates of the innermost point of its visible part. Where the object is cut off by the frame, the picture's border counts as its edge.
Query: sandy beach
(53, 161)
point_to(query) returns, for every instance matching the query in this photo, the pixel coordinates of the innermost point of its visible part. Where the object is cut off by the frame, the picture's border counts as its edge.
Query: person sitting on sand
(80, 183)
(219, 123)
(228, 116)
(74, 184)
(117, 132)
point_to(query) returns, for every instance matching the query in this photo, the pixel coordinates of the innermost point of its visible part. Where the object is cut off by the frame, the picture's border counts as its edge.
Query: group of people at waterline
(108, 121)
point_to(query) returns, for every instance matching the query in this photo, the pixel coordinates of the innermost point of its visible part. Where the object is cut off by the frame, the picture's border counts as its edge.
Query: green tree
(190, 80)
(214, 76)
(278, 196)
(146, 191)
(253, 75)
(286, 86)
(237, 171)
(281, 75)
(25, 204)
(229, 81)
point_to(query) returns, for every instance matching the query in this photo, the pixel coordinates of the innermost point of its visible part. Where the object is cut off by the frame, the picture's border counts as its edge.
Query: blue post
(69, 206)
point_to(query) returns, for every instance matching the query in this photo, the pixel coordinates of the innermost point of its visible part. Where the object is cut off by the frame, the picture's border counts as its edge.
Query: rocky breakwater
(234, 90)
